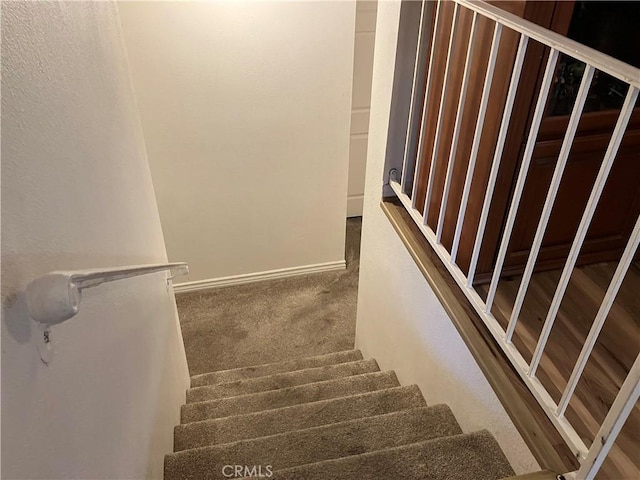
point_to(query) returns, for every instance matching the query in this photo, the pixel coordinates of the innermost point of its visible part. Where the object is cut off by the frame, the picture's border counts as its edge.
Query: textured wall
(400, 321)
(77, 193)
(245, 108)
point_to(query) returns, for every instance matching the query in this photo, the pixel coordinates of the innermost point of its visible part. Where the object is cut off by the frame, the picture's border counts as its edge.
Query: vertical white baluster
(551, 197)
(427, 100)
(522, 175)
(589, 211)
(443, 98)
(613, 423)
(417, 99)
(456, 128)
(497, 156)
(491, 65)
(601, 316)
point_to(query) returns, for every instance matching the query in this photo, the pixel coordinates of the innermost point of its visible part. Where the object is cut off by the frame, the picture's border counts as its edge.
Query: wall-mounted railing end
(55, 297)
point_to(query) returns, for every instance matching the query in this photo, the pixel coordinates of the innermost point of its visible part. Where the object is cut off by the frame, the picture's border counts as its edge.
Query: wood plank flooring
(611, 360)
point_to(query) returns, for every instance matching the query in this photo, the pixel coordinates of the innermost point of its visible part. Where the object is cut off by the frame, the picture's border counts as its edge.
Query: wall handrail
(55, 297)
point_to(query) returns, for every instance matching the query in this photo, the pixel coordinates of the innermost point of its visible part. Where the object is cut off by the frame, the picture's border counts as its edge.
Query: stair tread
(471, 456)
(300, 394)
(316, 444)
(221, 376)
(280, 380)
(296, 417)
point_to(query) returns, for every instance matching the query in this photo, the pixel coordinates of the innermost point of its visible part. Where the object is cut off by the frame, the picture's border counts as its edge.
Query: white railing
(55, 297)
(404, 183)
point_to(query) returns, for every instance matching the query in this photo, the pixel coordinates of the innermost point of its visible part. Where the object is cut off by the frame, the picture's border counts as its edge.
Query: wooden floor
(612, 358)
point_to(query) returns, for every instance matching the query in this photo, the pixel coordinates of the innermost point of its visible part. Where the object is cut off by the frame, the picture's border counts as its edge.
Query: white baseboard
(258, 276)
(355, 205)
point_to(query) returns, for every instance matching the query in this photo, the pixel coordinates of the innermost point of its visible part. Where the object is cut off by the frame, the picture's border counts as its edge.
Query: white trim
(258, 276)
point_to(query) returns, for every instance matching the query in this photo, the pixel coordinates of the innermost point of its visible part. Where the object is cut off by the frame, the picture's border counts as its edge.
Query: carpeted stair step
(296, 417)
(223, 376)
(340, 387)
(472, 456)
(316, 444)
(280, 380)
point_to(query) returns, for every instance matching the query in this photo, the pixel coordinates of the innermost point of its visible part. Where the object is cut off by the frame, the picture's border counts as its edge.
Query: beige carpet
(275, 385)
(274, 320)
(326, 417)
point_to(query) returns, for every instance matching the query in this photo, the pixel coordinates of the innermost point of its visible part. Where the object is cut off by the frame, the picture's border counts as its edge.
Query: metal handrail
(403, 169)
(55, 296)
(601, 61)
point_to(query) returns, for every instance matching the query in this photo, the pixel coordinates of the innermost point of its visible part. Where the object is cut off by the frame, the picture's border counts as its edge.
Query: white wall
(77, 193)
(245, 108)
(361, 99)
(400, 321)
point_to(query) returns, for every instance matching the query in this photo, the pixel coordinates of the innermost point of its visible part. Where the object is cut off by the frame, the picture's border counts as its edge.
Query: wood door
(610, 27)
(540, 12)
(620, 202)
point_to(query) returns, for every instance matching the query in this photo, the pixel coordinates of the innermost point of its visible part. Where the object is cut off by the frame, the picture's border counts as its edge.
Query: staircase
(332, 416)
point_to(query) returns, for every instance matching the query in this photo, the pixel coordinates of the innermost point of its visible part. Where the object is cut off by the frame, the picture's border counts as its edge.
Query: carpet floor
(273, 320)
(328, 417)
(277, 386)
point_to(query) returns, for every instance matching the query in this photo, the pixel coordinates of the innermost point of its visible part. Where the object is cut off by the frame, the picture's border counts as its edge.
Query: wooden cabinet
(610, 27)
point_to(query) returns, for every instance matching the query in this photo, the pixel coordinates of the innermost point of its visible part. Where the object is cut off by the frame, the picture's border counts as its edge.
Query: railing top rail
(590, 458)
(55, 297)
(93, 277)
(599, 60)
